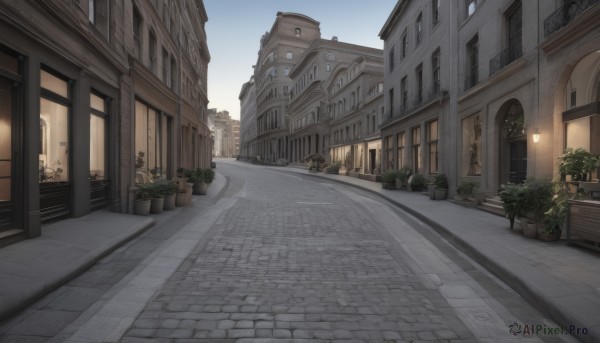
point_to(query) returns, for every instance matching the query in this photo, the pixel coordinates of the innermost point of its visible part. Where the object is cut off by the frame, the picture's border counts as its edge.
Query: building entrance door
(9, 212)
(372, 159)
(518, 161)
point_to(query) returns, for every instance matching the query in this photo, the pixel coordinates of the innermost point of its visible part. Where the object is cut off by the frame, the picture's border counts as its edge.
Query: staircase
(492, 205)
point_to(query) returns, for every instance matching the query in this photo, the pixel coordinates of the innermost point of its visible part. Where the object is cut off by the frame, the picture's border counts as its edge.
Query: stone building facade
(508, 70)
(226, 132)
(91, 84)
(280, 49)
(248, 119)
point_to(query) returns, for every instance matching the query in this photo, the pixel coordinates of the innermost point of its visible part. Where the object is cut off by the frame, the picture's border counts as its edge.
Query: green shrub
(166, 187)
(537, 197)
(466, 189)
(511, 201)
(441, 181)
(208, 175)
(418, 183)
(404, 173)
(389, 177)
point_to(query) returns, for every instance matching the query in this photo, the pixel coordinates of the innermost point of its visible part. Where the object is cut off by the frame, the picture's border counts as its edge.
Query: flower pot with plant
(440, 183)
(143, 200)
(156, 198)
(536, 199)
(402, 177)
(577, 165)
(510, 194)
(168, 189)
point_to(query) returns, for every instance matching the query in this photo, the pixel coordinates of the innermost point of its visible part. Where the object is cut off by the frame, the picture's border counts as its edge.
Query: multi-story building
(419, 58)
(522, 80)
(280, 49)
(248, 119)
(327, 89)
(91, 84)
(355, 93)
(226, 133)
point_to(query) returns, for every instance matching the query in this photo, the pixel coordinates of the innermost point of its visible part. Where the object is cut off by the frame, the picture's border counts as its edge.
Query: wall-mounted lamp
(536, 136)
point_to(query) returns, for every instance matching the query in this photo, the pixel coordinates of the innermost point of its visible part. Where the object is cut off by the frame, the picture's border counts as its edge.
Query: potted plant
(143, 202)
(388, 179)
(402, 177)
(466, 194)
(417, 182)
(156, 198)
(536, 199)
(440, 183)
(180, 172)
(208, 176)
(168, 189)
(577, 165)
(334, 168)
(196, 179)
(510, 194)
(556, 217)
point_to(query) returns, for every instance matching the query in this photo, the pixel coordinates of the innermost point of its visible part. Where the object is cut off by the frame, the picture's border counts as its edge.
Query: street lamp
(536, 136)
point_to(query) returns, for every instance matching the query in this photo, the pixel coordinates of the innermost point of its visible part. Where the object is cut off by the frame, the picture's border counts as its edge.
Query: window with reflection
(416, 149)
(98, 134)
(400, 155)
(432, 139)
(152, 136)
(54, 129)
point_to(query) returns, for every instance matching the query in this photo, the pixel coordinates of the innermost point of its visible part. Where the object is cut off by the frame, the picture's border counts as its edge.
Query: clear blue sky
(234, 29)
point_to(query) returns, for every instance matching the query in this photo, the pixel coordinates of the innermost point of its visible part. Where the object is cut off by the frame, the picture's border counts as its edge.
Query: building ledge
(501, 74)
(573, 31)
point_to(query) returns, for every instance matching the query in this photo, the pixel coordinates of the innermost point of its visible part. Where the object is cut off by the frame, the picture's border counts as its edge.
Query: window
(435, 68)
(390, 152)
(298, 32)
(400, 154)
(374, 119)
(165, 66)
(285, 90)
(173, 79)
(471, 145)
(404, 90)
(328, 67)
(432, 136)
(435, 7)
(404, 44)
(514, 23)
(391, 59)
(98, 14)
(137, 33)
(573, 98)
(419, 77)
(289, 55)
(286, 71)
(391, 112)
(473, 62)
(54, 128)
(152, 137)
(419, 28)
(471, 6)
(416, 149)
(152, 52)
(98, 136)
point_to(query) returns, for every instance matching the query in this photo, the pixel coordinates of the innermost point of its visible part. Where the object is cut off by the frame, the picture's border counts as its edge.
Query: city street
(280, 256)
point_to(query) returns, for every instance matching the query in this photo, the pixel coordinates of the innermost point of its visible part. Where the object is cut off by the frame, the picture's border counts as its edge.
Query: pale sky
(234, 29)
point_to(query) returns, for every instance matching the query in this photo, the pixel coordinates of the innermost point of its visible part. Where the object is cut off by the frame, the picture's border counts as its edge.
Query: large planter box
(582, 223)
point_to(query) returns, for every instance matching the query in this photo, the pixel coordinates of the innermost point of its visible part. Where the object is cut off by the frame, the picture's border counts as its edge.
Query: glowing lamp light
(536, 136)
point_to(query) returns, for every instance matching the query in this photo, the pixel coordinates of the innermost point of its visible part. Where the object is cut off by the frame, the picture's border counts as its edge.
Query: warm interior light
(536, 136)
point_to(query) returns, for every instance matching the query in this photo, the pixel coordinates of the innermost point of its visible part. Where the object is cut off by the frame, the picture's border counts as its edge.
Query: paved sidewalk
(33, 268)
(562, 281)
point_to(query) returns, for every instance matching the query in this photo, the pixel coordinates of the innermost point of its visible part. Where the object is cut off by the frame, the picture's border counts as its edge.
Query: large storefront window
(54, 148)
(416, 149)
(152, 136)
(98, 118)
(390, 152)
(471, 146)
(54, 129)
(400, 157)
(432, 136)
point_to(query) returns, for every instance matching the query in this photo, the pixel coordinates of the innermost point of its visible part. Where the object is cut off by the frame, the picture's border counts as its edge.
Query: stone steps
(492, 205)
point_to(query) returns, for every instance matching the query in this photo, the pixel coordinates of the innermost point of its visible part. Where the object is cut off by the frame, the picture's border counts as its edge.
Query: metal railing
(506, 57)
(566, 14)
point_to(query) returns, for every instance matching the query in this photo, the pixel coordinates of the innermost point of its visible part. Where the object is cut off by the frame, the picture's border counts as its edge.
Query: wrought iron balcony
(566, 14)
(505, 57)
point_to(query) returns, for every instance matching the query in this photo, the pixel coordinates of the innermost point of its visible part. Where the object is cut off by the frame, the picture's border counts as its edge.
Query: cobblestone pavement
(299, 261)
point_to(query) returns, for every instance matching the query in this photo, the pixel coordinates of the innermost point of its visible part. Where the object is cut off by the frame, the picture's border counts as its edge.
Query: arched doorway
(513, 143)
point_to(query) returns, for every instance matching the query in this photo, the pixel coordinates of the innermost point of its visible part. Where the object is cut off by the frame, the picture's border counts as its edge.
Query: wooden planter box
(582, 223)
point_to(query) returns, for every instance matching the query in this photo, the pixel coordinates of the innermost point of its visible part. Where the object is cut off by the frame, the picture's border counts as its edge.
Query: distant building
(226, 132)
(248, 119)
(95, 97)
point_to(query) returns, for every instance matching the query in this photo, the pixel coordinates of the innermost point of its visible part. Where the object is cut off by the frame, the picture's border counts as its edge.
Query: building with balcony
(108, 93)
(490, 91)
(280, 50)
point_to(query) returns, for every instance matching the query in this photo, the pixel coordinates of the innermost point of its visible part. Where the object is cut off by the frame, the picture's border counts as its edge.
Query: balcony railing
(505, 57)
(433, 94)
(566, 14)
